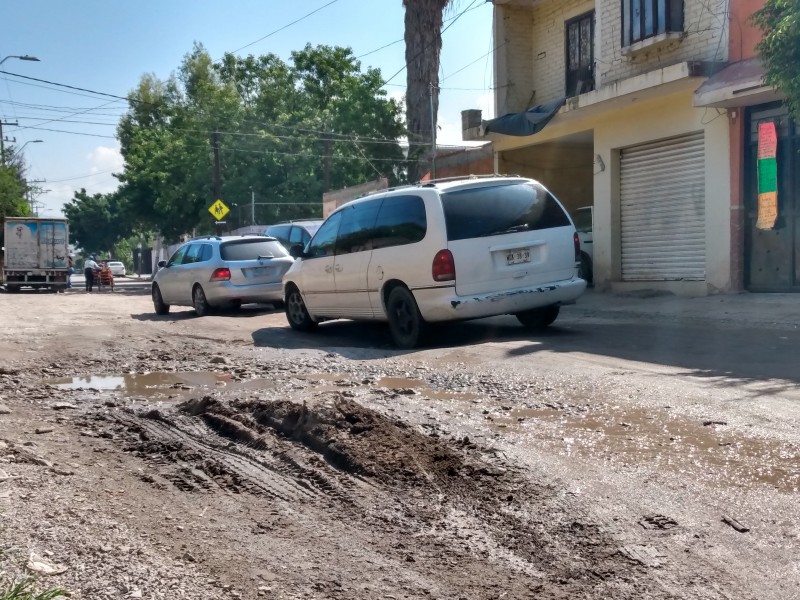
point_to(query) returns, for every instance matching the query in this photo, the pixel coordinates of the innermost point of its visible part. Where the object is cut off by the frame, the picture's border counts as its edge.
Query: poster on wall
(767, 176)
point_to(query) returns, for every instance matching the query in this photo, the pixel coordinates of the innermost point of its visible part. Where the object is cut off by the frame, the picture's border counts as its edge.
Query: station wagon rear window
(251, 249)
(500, 209)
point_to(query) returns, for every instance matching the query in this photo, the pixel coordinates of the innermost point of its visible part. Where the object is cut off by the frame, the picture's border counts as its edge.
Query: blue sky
(106, 46)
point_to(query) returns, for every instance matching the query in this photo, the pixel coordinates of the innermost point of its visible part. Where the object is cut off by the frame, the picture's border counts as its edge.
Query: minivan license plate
(521, 255)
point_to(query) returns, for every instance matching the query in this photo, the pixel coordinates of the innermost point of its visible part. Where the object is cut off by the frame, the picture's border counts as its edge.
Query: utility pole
(2, 139)
(217, 174)
(252, 206)
(433, 134)
(326, 169)
(29, 192)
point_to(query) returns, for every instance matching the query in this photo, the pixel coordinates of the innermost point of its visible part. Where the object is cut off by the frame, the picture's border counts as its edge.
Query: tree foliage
(779, 49)
(12, 193)
(97, 222)
(286, 132)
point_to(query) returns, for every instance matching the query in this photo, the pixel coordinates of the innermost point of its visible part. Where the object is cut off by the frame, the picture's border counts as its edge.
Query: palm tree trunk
(423, 37)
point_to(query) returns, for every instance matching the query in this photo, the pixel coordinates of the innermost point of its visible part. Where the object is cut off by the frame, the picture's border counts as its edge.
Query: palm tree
(423, 36)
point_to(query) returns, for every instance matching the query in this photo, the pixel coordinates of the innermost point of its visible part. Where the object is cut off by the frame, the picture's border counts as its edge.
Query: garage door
(662, 195)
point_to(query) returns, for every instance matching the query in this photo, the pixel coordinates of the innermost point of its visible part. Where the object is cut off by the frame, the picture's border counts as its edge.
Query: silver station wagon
(217, 272)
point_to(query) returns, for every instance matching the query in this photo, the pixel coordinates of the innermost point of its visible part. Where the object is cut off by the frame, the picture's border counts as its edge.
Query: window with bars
(580, 54)
(642, 19)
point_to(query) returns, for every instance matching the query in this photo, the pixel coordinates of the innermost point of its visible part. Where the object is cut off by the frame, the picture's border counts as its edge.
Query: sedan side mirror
(296, 251)
(162, 264)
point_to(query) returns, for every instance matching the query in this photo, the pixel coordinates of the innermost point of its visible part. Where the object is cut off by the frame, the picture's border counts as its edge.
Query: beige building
(625, 137)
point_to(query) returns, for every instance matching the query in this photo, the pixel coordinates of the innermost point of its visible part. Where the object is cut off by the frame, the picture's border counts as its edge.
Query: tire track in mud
(235, 468)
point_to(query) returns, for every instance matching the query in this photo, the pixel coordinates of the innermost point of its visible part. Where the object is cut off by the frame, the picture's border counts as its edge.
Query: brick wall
(530, 63)
(706, 39)
(533, 49)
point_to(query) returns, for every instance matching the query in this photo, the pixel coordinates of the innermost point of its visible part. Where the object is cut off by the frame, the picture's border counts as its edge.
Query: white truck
(36, 253)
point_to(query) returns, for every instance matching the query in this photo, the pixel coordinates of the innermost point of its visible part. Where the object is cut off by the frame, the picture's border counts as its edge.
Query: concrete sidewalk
(743, 309)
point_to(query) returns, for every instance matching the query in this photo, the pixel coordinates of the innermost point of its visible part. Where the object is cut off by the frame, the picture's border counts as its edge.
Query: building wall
(705, 25)
(636, 125)
(743, 35)
(534, 39)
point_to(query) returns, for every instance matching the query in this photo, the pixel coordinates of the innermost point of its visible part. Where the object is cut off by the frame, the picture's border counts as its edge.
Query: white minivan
(439, 251)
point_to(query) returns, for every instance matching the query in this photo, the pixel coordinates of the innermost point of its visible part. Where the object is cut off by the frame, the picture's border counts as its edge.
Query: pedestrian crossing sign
(218, 210)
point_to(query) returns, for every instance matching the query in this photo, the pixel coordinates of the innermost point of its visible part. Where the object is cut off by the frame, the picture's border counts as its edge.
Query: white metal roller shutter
(662, 195)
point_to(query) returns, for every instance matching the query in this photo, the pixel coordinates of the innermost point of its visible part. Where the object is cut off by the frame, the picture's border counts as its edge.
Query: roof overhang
(738, 84)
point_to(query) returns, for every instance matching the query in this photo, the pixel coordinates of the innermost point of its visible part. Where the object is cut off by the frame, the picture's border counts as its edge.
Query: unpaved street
(623, 454)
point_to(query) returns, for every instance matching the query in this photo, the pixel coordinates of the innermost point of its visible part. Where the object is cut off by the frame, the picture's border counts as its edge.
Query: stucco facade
(641, 104)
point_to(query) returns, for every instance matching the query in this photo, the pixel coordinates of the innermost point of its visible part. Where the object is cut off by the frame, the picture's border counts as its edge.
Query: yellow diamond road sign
(218, 210)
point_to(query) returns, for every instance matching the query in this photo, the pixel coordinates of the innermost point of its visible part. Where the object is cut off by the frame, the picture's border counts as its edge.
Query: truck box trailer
(36, 253)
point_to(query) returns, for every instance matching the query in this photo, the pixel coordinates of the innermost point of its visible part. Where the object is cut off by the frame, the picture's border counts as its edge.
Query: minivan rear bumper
(442, 304)
(224, 292)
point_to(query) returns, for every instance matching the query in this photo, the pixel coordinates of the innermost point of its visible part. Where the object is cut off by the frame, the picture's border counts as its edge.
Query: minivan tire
(199, 301)
(296, 312)
(405, 322)
(161, 307)
(539, 318)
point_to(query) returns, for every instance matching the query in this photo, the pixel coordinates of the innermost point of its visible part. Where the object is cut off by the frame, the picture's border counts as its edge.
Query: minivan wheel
(161, 307)
(201, 306)
(296, 312)
(539, 318)
(405, 323)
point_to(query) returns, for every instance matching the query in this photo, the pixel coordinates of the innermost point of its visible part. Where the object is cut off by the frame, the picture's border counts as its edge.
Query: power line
(285, 26)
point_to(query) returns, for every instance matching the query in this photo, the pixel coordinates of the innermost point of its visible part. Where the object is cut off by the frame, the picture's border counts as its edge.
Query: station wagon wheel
(296, 312)
(405, 323)
(161, 307)
(201, 305)
(539, 318)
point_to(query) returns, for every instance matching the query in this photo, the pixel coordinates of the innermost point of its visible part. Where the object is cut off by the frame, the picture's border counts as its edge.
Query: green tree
(779, 49)
(12, 193)
(285, 132)
(97, 222)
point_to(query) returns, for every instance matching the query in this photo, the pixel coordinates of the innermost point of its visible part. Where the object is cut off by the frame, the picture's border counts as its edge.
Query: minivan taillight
(577, 241)
(444, 267)
(221, 274)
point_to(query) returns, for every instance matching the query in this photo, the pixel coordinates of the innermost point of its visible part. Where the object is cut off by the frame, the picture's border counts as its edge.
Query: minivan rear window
(499, 209)
(251, 249)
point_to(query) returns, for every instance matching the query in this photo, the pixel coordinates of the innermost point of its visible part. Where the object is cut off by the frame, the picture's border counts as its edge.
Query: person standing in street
(89, 267)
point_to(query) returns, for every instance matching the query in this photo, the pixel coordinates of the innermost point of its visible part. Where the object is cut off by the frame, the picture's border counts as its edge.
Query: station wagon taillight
(221, 274)
(444, 267)
(577, 241)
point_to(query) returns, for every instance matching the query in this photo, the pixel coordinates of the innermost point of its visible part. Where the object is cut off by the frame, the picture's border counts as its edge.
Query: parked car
(117, 268)
(294, 232)
(213, 272)
(584, 224)
(437, 252)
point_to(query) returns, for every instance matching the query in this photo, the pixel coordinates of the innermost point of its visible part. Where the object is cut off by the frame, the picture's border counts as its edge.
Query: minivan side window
(401, 220)
(280, 232)
(357, 229)
(499, 209)
(324, 242)
(296, 236)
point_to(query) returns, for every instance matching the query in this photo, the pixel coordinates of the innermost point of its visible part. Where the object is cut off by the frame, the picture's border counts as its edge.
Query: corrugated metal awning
(738, 84)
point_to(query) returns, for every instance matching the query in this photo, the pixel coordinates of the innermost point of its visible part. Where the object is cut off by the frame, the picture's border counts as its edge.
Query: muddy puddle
(707, 449)
(159, 385)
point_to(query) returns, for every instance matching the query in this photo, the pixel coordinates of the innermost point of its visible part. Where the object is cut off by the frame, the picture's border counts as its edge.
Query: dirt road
(229, 457)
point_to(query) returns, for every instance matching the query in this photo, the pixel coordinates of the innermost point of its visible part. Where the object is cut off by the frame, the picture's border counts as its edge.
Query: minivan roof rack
(432, 182)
